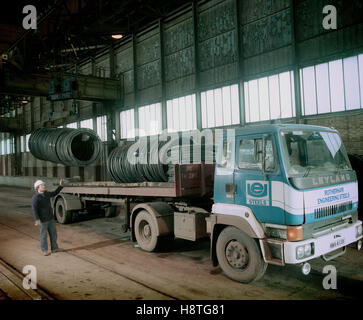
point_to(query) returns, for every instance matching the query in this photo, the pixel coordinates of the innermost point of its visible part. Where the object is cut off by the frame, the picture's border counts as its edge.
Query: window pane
(27, 142)
(150, 119)
(218, 107)
(102, 127)
(351, 83)
(169, 111)
(285, 95)
(87, 124)
(322, 85)
(293, 105)
(194, 108)
(127, 124)
(247, 102)
(235, 104)
(189, 123)
(176, 115)
(264, 101)
(203, 98)
(309, 90)
(227, 105)
(274, 96)
(210, 108)
(247, 154)
(336, 85)
(22, 143)
(302, 93)
(181, 114)
(253, 97)
(72, 125)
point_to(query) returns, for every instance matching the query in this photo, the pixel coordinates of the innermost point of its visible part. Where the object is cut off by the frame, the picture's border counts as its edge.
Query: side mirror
(264, 154)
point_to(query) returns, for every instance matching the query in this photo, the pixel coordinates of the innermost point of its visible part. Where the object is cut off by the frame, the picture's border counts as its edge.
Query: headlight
(305, 251)
(358, 230)
(300, 252)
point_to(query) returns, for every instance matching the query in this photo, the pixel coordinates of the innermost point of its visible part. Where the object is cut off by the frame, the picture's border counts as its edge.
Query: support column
(136, 105)
(295, 62)
(197, 66)
(240, 65)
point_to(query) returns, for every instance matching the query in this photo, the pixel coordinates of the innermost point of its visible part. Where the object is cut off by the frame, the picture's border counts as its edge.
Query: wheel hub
(60, 210)
(236, 254)
(147, 231)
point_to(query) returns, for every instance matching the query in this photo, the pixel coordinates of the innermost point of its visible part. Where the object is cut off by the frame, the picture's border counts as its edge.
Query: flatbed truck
(278, 194)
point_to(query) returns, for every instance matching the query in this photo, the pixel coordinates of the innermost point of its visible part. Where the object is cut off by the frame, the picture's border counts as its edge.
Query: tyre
(146, 231)
(63, 216)
(239, 256)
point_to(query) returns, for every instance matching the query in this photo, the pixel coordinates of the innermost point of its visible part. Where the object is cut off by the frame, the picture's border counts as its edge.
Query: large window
(150, 122)
(333, 86)
(102, 127)
(220, 107)
(88, 124)
(127, 124)
(270, 97)
(182, 114)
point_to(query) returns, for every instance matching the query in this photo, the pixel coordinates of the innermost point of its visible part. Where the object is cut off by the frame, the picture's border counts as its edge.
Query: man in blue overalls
(44, 216)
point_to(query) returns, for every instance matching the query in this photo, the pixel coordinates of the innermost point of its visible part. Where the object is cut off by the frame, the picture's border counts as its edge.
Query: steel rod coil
(70, 147)
(152, 161)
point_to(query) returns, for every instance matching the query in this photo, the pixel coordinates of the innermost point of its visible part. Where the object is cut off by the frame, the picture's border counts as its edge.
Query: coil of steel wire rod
(149, 159)
(70, 147)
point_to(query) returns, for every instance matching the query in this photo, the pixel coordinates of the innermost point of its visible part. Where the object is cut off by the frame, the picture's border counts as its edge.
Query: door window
(250, 154)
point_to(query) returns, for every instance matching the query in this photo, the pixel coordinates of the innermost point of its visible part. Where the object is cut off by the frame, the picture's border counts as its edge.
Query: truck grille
(332, 210)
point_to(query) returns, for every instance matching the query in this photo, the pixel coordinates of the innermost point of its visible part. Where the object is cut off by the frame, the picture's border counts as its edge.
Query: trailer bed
(189, 180)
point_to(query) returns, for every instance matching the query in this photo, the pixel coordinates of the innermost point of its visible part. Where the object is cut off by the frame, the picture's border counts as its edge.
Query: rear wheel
(239, 256)
(146, 231)
(63, 216)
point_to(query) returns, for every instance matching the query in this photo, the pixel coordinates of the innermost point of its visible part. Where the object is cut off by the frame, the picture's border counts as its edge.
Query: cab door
(224, 187)
(256, 169)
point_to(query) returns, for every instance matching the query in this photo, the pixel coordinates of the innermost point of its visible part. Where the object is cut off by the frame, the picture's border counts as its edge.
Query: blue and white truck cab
(283, 194)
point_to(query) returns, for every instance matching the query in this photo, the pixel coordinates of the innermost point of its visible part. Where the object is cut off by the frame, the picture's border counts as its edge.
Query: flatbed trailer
(191, 189)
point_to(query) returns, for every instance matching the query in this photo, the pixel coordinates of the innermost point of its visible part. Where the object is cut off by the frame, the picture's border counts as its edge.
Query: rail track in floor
(52, 296)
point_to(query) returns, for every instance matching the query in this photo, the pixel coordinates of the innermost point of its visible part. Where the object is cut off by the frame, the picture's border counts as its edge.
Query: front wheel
(239, 256)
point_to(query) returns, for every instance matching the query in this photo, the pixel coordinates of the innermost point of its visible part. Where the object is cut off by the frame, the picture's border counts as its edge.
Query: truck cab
(283, 194)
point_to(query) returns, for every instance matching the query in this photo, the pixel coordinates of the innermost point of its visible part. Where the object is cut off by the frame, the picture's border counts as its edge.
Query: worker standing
(44, 216)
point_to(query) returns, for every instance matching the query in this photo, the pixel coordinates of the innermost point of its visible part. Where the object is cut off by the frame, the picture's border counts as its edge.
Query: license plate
(337, 243)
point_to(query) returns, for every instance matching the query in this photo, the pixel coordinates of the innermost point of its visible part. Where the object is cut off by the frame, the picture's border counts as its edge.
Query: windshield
(309, 152)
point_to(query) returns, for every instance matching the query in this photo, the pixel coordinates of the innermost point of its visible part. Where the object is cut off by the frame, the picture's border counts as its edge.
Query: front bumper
(322, 245)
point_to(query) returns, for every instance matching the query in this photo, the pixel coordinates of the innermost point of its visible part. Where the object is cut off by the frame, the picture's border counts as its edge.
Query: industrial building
(140, 69)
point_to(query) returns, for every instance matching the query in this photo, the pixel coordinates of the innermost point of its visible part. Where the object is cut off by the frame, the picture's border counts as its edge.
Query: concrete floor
(100, 263)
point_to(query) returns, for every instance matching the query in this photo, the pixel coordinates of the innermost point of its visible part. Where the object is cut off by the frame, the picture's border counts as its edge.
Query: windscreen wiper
(308, 168)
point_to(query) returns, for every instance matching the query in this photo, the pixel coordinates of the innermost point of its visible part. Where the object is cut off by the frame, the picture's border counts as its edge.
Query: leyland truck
(278, 194)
